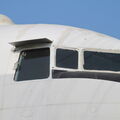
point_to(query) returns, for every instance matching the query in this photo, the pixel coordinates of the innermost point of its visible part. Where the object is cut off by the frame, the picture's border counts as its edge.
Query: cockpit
(39, 59)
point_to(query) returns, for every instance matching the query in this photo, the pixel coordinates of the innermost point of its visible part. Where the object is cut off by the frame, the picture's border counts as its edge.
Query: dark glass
(67, 58)
(33, 64)
(101, 61)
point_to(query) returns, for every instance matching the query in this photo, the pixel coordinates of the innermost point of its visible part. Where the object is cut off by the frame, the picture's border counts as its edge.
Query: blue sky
(98, 15)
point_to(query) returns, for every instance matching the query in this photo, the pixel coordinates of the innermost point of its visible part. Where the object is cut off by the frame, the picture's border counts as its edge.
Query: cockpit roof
(59, 35)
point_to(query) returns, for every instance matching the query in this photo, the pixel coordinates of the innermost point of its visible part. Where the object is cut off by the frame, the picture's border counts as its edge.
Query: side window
(101, 61)
(33, 64)
(67, 58)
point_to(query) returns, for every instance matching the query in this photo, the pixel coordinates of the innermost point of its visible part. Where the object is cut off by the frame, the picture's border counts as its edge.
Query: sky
(98, 15)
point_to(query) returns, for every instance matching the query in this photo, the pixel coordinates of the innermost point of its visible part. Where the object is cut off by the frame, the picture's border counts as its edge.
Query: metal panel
(30, 42)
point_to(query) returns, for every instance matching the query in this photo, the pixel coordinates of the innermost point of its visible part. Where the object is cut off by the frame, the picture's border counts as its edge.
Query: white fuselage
(52, 98)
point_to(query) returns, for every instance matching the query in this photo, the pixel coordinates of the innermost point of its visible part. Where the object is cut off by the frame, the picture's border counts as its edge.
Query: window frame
(65, 48)
(18, 50)
(98, 50)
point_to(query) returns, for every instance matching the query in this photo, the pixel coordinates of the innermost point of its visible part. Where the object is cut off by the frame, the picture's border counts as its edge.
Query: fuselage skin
(55, 99)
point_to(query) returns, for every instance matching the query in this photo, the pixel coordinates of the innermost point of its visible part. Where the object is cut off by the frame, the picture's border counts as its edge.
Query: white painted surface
(4, 20)
(53, 99)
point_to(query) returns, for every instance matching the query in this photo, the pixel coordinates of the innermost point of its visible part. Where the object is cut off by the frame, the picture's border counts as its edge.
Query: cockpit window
(33, 64)
(67, 58)
(101, 61)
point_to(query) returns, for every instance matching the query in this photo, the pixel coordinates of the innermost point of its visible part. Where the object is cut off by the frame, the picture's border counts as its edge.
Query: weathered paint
(56, 99)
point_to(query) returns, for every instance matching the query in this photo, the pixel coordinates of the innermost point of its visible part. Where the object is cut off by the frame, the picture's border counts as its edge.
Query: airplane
(57, 72)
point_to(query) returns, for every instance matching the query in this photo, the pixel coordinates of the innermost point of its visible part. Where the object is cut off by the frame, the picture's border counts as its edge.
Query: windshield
(101, 61)
(33, 64)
